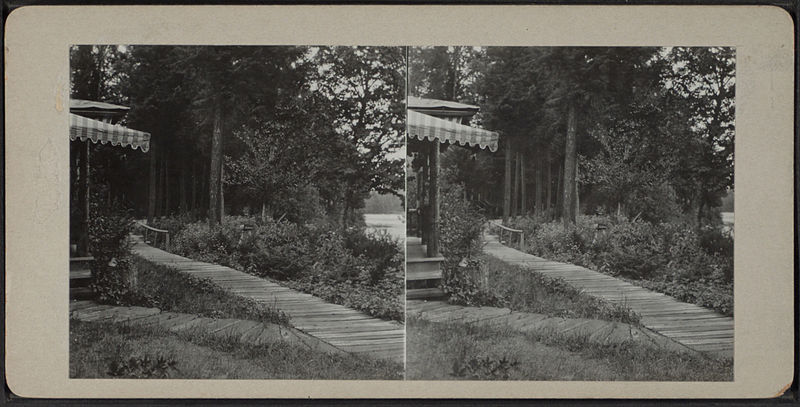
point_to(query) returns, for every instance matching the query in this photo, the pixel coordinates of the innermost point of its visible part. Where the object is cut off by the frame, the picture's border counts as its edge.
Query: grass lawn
(457, 351)
(105, 350)
(171, 290)
(523, 290)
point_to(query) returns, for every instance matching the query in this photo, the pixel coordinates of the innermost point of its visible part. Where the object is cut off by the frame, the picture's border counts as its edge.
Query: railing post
(522, 241)
(167, 246)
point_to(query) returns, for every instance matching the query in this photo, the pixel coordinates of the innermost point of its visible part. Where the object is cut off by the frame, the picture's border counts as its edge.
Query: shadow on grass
(170, 290)
(521, 289)
(109, 350)
(458, 351)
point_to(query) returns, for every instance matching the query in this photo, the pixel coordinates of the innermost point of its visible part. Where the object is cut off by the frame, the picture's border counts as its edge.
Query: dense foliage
(460, 235)
(345, 266)
(642, 131)
(109, 227)
(673, 258)
(284, 131)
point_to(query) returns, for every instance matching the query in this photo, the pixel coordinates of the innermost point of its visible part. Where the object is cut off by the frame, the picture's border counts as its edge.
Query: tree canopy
(294, 131)
(643, 131)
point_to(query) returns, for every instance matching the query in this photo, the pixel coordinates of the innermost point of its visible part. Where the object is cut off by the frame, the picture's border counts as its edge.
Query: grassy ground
(522, 290)
(170, 290)
(103, 350)
(456, 351)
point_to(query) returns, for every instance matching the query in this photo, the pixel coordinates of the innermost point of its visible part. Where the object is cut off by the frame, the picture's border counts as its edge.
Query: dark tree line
(296, 132)
(644, 132)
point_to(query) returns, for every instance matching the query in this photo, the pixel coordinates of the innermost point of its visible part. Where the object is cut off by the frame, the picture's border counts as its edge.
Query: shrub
(715, 242)
(461, 226)
(381, 249)
(633, 250)
(461, 281)
(109, 228)
(143, 367)
(460, 233)
(486, 368)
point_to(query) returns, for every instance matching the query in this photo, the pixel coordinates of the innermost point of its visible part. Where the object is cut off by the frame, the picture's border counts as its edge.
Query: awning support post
(433, 201)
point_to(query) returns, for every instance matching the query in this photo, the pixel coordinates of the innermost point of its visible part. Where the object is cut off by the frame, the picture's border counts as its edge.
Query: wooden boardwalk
(252, 332)
(694, 326)
(343, 327)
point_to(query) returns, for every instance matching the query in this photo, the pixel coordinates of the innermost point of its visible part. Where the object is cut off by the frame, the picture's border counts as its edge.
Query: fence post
(522, 241)
(167, 247)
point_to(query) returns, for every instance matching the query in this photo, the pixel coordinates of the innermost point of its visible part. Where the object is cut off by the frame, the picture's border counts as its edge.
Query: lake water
(727, 218)
(392, 223)
(727, 222)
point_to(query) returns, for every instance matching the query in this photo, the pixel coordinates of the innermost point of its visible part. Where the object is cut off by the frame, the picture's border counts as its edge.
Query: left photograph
(237, 212)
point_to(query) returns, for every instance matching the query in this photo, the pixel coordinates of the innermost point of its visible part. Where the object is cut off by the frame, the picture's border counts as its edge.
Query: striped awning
(84, 128)
(425, 127)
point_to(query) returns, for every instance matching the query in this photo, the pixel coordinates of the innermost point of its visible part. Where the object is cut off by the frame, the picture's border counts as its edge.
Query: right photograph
(570, 213)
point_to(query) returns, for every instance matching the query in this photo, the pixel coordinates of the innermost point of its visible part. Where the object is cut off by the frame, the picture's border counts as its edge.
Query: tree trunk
(569, 215)
(701, 205)
(515, 187)
(215, 175)
(183, 191)
(221, 193)
(577, 207)
(507, 183)
(549, 178)
(539, 203)
(167, 196)
(151, 193)
(194, 181)
(523, 193)
(559, 185)
(160, 185)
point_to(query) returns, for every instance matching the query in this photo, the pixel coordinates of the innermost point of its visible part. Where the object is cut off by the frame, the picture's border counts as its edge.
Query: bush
(109, 228)
(143, 367)
(461, 226)
(460, 233)
(631, 249)
(344, 266)
(462, 283)
(381, 249)
(486, 368)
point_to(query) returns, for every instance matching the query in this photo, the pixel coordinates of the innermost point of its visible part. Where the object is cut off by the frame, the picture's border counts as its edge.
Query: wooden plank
(367, 334)
(309, 326)
(346, 329)
(423, 275)
(424, 293)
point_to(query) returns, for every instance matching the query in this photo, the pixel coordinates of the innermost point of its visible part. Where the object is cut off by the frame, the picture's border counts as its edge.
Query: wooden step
(424, 293)
(80, 263)
(423, 267)
(416, 259)
(80, 274)
(81, 293)
(423, 275)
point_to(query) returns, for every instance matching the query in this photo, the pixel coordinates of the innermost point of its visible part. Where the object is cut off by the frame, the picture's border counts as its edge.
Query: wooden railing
(148, 228)
(510, 231)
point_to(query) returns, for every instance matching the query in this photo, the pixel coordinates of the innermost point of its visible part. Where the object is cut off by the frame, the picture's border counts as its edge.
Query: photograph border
(37, 83)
